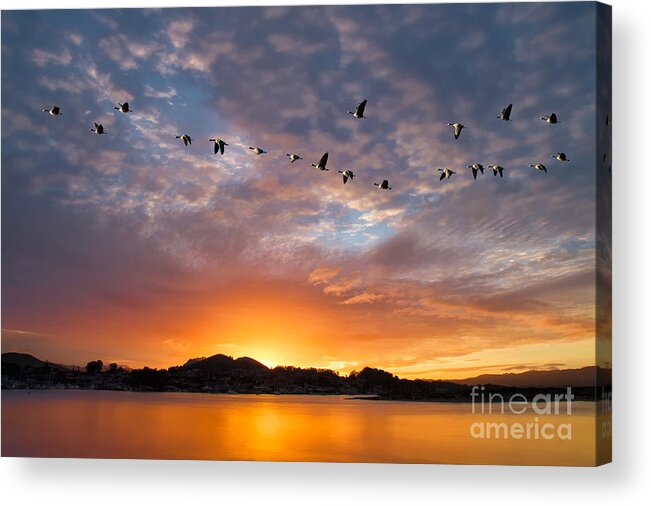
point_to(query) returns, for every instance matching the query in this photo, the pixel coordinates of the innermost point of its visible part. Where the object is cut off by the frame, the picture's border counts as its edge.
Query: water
(269, 427)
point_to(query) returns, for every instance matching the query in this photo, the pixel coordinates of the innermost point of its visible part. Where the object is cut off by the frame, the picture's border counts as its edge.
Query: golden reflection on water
(268, 427)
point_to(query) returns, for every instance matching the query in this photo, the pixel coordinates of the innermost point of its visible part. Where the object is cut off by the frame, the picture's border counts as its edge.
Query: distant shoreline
(226, 375)
(348, 397)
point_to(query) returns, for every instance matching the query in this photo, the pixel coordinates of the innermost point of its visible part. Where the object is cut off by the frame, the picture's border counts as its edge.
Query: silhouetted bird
(446, 174)
(476, 167)
(457, 129)
(123, 107)
(293, 157)
(99, 129)
(359, 110)
(506, 113)
(384, 185)
(561, 157)
(55, 111)
(322, 163)
(539, 166)
(185, 138)
(219, 145)
(497, 169)
(552, 118)
(347, 174)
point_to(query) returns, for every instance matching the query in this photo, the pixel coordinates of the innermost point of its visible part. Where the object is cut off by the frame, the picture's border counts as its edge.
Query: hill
(21, 359)
(222, 363)
(560, 378)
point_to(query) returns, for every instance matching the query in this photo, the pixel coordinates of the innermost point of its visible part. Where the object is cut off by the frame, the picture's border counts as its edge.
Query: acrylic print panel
(343, 234)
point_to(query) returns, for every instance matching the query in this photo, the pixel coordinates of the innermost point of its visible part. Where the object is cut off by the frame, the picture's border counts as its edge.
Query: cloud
(284, 43)
(179, 32)
(168, 93)
(75, 38)
(125, 52)
(104, 85)
(364, 298)
(70, 85)
(41, 57)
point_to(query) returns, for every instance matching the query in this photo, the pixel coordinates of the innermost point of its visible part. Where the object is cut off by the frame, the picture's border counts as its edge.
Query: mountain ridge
(578, 377)
(220, 363)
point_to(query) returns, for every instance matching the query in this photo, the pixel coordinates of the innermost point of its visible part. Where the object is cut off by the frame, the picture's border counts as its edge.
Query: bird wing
(189, 139)
(125, 106)
(185, 140)
(345, 178)
(507, 111)
(221, 147)
(361, 107)
(474, 173)
(442, 176)
(553, 118)
(323, 161)
(216, 148)
(500, 169)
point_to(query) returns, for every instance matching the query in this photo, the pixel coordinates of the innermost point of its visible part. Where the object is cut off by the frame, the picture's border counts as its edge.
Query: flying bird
(561, 157)
(359, 110)
(322, 163)
(552, 118)
(446, 174)
(384, 185)
(505, 115)
(99, 129)
(219, 145)
(257, 151)
(123, 107)
(457, 129)
(497, 169)
(539, 166)
(347, 174)
(185, 138)
(55, 111)
(293, 157)
(476, 167)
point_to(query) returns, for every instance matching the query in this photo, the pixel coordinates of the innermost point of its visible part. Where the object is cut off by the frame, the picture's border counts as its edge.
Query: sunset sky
(130, 247)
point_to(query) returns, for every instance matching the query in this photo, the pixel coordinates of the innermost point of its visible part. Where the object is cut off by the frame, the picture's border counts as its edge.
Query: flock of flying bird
(347, 174)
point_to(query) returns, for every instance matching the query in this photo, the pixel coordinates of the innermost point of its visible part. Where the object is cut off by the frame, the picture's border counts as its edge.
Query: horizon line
(477, 374)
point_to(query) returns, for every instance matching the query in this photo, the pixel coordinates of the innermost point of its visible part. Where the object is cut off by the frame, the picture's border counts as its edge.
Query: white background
(626, 481)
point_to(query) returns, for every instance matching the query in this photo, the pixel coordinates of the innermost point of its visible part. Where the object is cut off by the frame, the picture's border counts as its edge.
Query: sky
(131, 247)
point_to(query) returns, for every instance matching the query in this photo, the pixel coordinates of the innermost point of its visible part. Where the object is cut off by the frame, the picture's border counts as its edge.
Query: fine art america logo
(544, 408)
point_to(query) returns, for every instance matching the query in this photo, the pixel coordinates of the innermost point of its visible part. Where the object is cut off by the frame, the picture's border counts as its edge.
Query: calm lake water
(274, 427)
